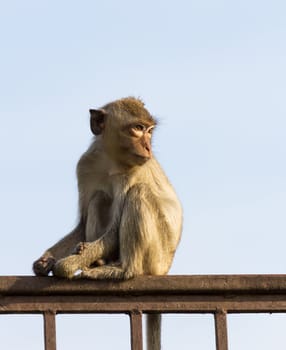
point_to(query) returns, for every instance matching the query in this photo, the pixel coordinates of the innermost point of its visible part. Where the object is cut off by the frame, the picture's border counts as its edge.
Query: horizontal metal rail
(214, 294)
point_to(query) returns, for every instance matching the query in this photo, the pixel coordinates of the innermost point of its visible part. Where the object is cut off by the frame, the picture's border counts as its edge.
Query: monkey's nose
(148, 148)
(148, 151)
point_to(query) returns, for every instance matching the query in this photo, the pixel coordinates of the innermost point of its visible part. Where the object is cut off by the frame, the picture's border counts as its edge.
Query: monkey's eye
(150, 130)
(139, 130)
(139, 127)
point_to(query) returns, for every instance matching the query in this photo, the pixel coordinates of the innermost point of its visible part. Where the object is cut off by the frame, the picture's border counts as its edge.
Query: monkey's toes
(89, 273)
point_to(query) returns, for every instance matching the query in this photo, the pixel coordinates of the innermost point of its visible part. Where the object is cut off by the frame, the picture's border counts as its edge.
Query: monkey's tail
(153, 331)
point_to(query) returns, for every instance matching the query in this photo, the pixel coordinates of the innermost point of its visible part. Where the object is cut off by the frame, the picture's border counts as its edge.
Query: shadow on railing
(214, 294)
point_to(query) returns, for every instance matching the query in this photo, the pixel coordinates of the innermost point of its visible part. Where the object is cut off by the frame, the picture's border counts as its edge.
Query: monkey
(130, 218)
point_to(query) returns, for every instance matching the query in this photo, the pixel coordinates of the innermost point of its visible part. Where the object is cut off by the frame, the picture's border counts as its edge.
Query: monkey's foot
(67, 267)
(93, 273)
(106, 272)
(90, 273)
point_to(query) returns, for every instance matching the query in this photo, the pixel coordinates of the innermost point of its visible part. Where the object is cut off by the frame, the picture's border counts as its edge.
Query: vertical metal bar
(221, 330)
(136, 330)
(50, 330)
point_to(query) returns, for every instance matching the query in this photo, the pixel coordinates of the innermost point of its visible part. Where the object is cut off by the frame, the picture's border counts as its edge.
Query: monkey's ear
(97, 120)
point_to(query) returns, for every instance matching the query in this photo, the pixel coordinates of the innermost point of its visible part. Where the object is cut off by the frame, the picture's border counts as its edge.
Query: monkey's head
(126, 130)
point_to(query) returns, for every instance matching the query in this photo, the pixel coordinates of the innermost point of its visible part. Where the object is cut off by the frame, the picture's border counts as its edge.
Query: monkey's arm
(66, 245)
(63, 248)
(103, 248)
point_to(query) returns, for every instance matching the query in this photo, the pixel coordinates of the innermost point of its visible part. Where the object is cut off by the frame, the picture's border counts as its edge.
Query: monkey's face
(141, 135)
(134, 144)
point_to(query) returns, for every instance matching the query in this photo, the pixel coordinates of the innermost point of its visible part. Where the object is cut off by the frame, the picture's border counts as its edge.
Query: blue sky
(213, 73)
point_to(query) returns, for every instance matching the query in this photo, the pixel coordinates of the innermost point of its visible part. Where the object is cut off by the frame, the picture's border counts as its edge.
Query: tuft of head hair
(135, 107)
(131, 105)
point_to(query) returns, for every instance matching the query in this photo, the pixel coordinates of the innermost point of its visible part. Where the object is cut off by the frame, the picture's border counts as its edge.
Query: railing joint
(135, 312)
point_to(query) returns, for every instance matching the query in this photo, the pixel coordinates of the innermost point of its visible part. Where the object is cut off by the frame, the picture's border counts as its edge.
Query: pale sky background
(214, 73)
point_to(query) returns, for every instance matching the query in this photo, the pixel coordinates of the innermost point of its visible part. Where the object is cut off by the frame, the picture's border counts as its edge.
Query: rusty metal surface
(169, 294)
(50, 330)
(215, 294)
(221, 330)
(136, 330)
(196, 284)
(170, 304)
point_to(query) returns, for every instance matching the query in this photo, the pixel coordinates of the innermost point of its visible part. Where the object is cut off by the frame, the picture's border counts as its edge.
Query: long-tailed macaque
(130, 217)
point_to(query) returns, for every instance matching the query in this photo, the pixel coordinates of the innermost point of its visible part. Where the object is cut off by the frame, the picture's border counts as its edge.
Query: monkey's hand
(44, 265)
(67, 267)
(80, 248)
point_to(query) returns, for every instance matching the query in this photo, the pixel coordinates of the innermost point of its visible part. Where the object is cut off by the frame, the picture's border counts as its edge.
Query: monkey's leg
(140, 239)
(103, 248)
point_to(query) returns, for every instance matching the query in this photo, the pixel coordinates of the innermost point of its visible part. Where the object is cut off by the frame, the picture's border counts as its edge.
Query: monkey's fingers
(43, 266)
(79, 249)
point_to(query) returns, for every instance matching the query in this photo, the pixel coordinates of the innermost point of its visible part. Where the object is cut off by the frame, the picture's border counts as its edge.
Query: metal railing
(213, 294)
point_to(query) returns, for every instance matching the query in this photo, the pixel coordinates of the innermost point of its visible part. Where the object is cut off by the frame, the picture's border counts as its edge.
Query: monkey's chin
(140, 159)
(135, 160)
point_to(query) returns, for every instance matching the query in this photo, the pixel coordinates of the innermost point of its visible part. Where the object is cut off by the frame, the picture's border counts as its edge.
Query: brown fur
(131, 219)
